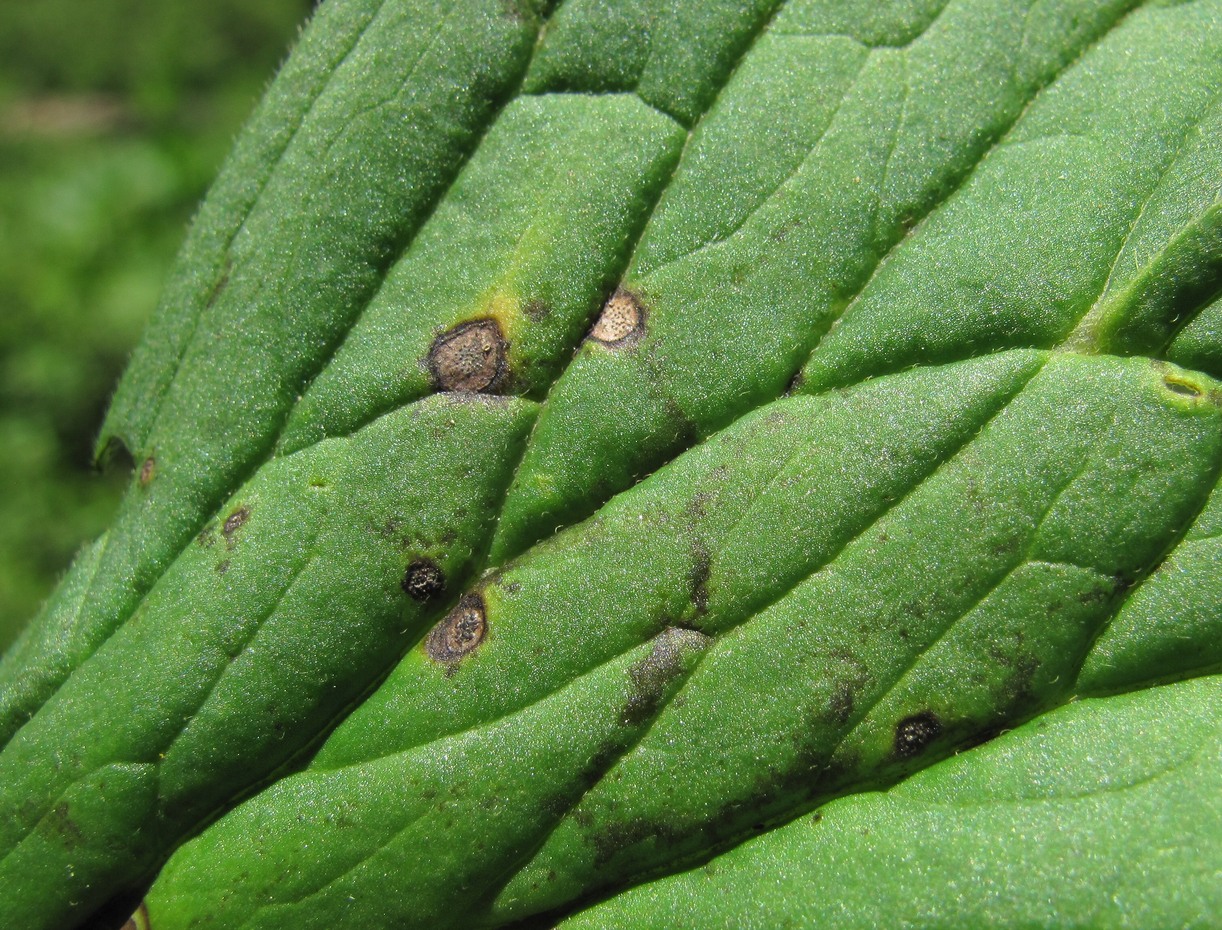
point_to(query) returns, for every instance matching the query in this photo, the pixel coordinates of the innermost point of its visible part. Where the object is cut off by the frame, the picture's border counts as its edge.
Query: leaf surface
(578, 440)
(1081, 818)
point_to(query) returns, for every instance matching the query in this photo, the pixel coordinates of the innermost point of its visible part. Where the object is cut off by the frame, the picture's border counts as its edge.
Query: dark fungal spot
(234, 522)
(459, 632)
(622, 320)
(222, 567)
(207, 536)
(843, 700)
(652, 675)
(536, 311)
(913, 734)
(613, 838)
(1018, 689)
(60, 822)
(469, 357)
(147, 471)
(698, 578)
(423, 580)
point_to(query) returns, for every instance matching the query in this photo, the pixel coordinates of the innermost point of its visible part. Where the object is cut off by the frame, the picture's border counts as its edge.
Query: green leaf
(1101, 814)
(578, 440)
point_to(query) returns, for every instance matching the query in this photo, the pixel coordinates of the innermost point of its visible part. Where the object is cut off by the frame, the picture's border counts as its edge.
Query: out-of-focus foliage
(114, 115)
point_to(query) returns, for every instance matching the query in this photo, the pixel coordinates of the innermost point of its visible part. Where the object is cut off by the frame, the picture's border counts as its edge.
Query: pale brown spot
(459, 632)
(622, 319)
(147, 471)
(469, 357)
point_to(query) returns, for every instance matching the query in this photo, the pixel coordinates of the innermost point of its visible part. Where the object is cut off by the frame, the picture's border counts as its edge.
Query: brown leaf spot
(234, 522)
(459, 632)
(844, 698)
(469, 357)
(147, 471)
(698, 578)
(913, 734)
(423, 580)
(536, 311)
(622, 320)
(652, 675)
(60, 822)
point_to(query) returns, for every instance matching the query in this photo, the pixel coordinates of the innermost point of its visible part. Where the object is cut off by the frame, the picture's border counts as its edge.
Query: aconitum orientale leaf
(637, 464)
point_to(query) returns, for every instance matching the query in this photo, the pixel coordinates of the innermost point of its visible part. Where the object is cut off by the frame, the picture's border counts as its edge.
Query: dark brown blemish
(1017, 690)
(147, 471)
(698, 578)
(459, 632)
(1183, 388)
(138, 920)
(843, 700)
(622, 320)
(206, 537)
(652, 675)
(60, 822)
(913, 734)
(470, 357)
(423, 580)
(614, 838)
(222, 567)
(1118, 584)
(234, 522)
(536, 311)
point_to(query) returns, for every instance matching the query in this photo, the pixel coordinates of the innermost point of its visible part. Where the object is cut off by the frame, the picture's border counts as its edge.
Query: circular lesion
(470, 357)
(423, 580)
(621, 321)
(459, 633)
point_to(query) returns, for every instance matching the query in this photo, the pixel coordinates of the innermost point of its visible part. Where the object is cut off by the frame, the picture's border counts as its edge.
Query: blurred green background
(114, 116)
